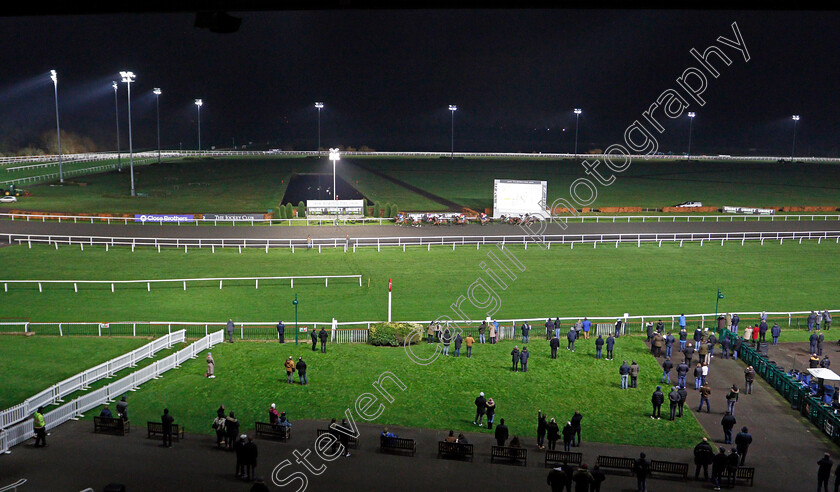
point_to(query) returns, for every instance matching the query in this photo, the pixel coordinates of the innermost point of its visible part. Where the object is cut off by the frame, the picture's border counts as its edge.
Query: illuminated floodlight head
(453, 107)
(54, 76)
(199, 102)
(334, 155)
(319, 105)
(127, 76)
(156, 91)
(114, 85)
(578, 111)
(691, 114)
(795, 117)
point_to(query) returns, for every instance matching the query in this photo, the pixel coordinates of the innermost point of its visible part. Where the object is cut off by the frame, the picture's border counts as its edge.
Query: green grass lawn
(584, 281)
(31, 364)
(437, 396)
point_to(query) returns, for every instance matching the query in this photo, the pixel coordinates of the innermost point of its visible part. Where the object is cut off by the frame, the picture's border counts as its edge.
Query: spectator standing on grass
(755, 335)
(553, 433)
(469, 341)
(649, 331)
(430, 332)
(501, 433)
(482, 329)
(458, 342)
(480, 408)
(719, 462)
(166, 421)
(762, 330)
(514, 356)
(549, 328)
(749, 377)
(301, 370)
(703, 456)
(568, 436)
(641, 468)
(571, 337)
(599, 346)
(229, 329)
(281, 332)
(493, 328)
(776, 332)
(731, 399)
(610, 343)
(683, 398)
(122, 409)
(658, 343)
(728, 423)
(446, 338)
(586, 326)
(826, 320)
(657, 399)
(824, 472)
(554, 343)
(491, 412)
(523, 359)
(576, 418)
(323, 335)
(667, 365)
(705, 391)
(748, 332)
(624, 372)
(634, 373)
(556, 325)
(289, 364)
(742, 443)
(674, 400)
(542, 428)
(526, 330)
(313, 335)
(618, 327)
(211, 366)
(812, 319)
(735, 320)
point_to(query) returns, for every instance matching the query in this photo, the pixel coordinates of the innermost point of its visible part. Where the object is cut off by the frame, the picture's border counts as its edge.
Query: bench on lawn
(744, 474)
(509, 454)
(397, 444)
(352, 442)
(156, 429)
(274, 431)
(553, 458)
(617, 463)
(669, 468)
(111, 425)
(455, 450)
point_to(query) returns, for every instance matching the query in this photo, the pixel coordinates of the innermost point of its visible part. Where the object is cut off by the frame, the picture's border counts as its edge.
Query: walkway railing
(22, 431)
(83, 380)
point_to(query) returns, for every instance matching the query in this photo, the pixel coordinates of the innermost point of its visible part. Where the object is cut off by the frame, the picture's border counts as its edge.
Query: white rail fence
(182, 281)
(428, 241)
(76, 408)
(83, 380)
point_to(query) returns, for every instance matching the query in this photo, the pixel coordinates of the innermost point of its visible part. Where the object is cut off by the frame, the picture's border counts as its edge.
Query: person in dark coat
(634, 373)
(259, 486)
(571, 337)
(323, 335)
(568, 436)
(549, 328)
(762, 330)
(231, 430)
(502, 433)
(301, 370)
(582, 478)
(719, 462)
(599, 346)
(557, 479)
(688, 353)
(732, 462)
(703, 457)
(776, 332)
(313, 335)
(166, 421)
(480, 408)
(725, 345)
(554, 343)
(491, 412)
(667, 365)
(641, 468)
(542, 428)
(239, 451)
(609, 344)
(742, 443)
(576, 418)
(281, 332)
(674, 400)
(514, 357)
(824, 472)
(553, 433)
(683, 397)
(598, 477)
(250, 452)
(728, 423)
(523, 359)
(657, 399)
(458, 342)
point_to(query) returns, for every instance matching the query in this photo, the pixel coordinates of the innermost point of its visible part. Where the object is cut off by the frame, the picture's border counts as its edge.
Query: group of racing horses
(418, 220)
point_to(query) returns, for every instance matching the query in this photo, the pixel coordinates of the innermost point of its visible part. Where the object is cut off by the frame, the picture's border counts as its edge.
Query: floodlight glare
(128, 78)
(578, 111)
(199, 102)
(795, 117)
(334, 157)
(156, 91)
(452, 107)
(691, 115)
(319, 105)
(54, 77)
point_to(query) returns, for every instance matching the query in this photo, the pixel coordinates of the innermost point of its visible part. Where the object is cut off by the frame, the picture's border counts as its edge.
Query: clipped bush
(301, 209)
(388, 211)
(393, 334)
(376, 210)
(394, 210)
(290, 211)
(281, 212)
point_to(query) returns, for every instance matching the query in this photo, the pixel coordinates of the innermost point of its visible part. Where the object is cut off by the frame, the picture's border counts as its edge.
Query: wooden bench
(111, 425)
(616, 463)
(553, 458)
(273, 431)
(397, 444)
(509, 454)
(455, 450)
(156, 429)
(743, 474)
(352, 442)
(669, 468)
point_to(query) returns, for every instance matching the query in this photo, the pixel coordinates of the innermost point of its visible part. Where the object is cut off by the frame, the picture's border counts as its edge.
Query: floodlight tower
(334, 157)
(795, 119)
(578, 111)
(319, 106)
(691, 116)
(128, 77)
(452, 109)
(54, 77)
(198, 104)
(157, 92)
(117, 112)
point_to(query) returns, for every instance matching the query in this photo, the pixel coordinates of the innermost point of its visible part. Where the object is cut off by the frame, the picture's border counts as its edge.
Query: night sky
(387, 77)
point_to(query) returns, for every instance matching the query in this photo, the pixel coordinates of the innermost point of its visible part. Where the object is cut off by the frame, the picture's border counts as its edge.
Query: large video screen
(519, 197)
